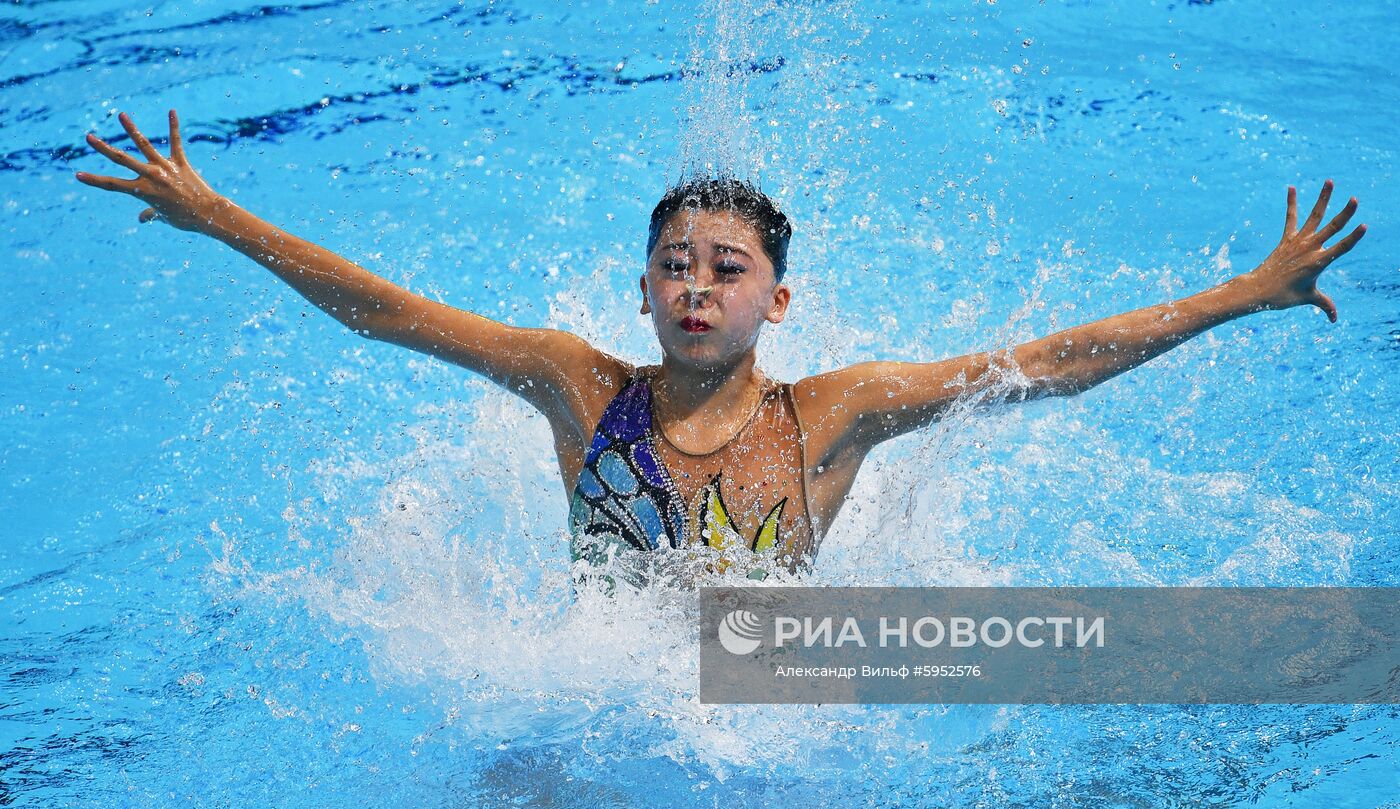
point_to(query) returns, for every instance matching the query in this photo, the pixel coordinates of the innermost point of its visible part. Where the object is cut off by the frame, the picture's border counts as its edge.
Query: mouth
(694, 325)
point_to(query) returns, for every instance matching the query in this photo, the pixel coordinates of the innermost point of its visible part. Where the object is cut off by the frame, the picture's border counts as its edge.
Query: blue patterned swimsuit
(627, 502)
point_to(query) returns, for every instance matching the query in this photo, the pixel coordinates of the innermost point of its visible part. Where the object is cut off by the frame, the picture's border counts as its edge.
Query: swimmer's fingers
(1338, 222)
(139, 139)
(1341, 248)
(107, 183)
(1336, 251)
(177, 146)
(118, 156)
(1319, 208)
(1325, 303)
(1290, 221)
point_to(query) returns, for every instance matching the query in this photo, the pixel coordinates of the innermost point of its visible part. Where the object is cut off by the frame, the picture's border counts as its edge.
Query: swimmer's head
(713, 270)
(728, 194)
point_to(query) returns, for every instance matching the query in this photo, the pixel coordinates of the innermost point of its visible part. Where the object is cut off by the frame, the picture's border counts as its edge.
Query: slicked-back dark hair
(727, 194)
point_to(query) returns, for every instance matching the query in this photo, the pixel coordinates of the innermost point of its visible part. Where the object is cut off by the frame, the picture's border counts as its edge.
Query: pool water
(250, 557)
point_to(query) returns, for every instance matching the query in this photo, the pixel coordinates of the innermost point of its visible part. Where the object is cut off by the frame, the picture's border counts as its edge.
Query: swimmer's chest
(752, 486)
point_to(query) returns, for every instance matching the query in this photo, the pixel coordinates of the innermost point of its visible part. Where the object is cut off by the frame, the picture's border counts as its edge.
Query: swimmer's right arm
(543, 366)
(855, 408)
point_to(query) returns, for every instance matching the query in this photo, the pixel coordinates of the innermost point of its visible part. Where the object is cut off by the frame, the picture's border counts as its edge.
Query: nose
(695, 297)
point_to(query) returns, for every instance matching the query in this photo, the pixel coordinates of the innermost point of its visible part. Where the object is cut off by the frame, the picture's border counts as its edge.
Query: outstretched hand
(171, 186)
(1288, 277)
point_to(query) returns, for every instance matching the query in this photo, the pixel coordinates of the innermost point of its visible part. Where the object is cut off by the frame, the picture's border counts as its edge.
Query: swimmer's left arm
(865, 404)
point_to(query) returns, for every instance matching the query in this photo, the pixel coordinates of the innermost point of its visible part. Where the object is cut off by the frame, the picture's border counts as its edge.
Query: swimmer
(704, 450)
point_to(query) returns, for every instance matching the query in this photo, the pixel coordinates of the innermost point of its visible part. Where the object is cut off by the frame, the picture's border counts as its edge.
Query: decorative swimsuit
(638, 493)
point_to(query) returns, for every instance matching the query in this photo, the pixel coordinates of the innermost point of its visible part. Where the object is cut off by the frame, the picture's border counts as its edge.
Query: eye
(672, 265)
(731, 268)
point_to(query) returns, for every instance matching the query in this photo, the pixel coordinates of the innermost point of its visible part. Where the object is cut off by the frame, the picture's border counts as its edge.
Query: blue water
(250, 558)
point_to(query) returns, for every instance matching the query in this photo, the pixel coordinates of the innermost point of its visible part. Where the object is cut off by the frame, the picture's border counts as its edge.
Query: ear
(646, 303)
(782, 296)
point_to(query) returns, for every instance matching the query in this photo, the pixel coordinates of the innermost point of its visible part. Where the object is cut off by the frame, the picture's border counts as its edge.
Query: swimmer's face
(709, 287)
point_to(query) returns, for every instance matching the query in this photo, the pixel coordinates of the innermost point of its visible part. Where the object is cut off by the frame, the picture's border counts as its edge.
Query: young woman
(704, 451)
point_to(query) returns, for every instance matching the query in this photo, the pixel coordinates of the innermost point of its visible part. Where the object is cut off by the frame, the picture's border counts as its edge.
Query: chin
(698, 355)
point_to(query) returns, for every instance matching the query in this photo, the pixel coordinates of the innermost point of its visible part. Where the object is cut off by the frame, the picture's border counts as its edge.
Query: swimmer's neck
(685, 389)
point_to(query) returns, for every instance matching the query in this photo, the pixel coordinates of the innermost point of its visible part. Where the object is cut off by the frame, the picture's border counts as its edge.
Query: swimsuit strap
(802, 445)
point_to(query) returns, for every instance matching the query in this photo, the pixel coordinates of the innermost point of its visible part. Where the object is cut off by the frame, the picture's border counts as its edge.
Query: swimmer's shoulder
(824, 406)
(815, 395)
(596, 376)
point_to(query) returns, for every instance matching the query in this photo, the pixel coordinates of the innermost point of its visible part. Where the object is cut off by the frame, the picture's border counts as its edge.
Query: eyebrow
(732, 248)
